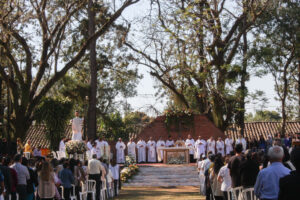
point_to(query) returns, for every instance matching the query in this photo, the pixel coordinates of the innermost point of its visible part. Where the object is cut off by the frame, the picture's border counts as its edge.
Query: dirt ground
(160, 193)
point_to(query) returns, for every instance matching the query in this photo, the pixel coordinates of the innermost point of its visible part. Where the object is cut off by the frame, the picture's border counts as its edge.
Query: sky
(146, 91)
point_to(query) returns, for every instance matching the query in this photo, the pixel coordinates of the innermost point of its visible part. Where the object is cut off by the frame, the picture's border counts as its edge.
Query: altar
(175, 155)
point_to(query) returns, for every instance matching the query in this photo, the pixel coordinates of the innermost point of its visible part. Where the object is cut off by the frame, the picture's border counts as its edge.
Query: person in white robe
(131, 148)
(151, 146)
(104, 147)
(242, 141)
(211, 145)
(96, 151)
(89, 145)
(169, 142)
(190, 143)
(120, 147)
(62, 148)
(179, 143)
(77, 123)
(228, 145)
(200, 146)
(220, 146)
(160, 153)
(141, 146)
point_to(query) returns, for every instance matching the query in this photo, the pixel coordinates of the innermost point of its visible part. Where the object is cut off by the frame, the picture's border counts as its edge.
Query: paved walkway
(160, 193)
(160, 182)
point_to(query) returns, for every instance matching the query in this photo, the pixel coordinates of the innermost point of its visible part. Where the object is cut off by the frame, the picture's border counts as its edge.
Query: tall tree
(190, 48)
(276, 49)
(34, 35)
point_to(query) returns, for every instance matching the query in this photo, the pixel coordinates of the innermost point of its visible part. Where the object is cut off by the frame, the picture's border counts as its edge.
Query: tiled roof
(37, 135)
(255, 129)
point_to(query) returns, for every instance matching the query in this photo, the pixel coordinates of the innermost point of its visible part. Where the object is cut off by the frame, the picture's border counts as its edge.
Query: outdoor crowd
(268, 169)
(40, 177)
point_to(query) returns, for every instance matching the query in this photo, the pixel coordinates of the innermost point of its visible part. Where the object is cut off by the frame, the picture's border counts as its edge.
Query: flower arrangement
(130, 168)
(75, 146)
(175, 117)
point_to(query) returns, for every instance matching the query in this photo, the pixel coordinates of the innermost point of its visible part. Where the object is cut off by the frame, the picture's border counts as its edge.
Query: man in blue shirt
(267, 182)
(67, 179)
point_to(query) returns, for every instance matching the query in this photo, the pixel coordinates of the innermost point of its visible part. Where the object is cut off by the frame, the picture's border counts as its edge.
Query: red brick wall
(202, 126)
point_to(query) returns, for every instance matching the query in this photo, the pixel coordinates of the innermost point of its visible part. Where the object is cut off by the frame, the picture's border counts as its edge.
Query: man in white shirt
(131, 148)
(200, 146)
(96, 151)
(220, 146)
(151, 146)
(120, 147)
(160, 153)
(96, 171)
(169, 142)
(211, 145)
(141, 146)
(77, 123)
(62, 148)
(242, 141)
(228, 145)
(190, 143)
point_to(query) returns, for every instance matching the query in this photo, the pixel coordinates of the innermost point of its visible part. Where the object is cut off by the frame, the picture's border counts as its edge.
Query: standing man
(200, 146)
(22, 176)
(151, 150)
(95, 171)
(242, 141)
(267, 182)
(190, 143)
(160, 153)
(131, 148)
(120, 146)
(103, 146)
(77, 123)
(228, 145)
(169, 142)
(211, 145)
(220, 146)
(141, 146)
(234, 166)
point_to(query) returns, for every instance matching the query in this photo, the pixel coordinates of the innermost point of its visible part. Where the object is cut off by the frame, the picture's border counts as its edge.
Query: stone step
(155, 184)
(171, 176)
(195, 180)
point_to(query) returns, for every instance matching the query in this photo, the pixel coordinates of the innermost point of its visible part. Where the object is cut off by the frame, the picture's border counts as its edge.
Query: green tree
(191, 47)
(55, 115)
(263, 116)
(34, 35)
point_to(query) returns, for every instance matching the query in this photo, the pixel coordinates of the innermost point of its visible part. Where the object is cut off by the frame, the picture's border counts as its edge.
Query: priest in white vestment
(141, 146)
(160, 153)
(228, 145)
(151, 146)
(77, 123)
(211, 145)
(190, 143)
(62, 148)
(89, 145)
(220, 146)
(242, 141)
(169, 142)
(131, 148)
(200, 146)
(104, 147)
(120, 147)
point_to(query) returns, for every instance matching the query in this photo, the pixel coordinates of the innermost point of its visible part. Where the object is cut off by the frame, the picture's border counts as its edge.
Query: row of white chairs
(90, 188)
(239, 193)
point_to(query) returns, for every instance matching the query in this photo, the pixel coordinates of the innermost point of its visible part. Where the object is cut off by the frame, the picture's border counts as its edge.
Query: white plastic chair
(83, 195)
(104, 194)
(237, 193)
(72, 196)
(91, 188)
(249, 192)
(27, 155)
(17, 196)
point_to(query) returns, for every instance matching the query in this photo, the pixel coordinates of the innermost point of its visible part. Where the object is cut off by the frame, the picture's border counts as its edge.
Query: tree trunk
(299, 89)
(283, 100)
(91, 121)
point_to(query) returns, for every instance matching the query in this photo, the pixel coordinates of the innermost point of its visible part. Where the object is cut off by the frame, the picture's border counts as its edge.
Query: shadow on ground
(160, 193)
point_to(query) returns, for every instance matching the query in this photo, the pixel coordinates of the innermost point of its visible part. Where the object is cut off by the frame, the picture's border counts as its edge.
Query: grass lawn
(160, 193)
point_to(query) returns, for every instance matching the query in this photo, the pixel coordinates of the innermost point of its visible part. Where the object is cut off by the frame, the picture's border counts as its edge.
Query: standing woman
(20, 147)
(46, 187)
(215, 184)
